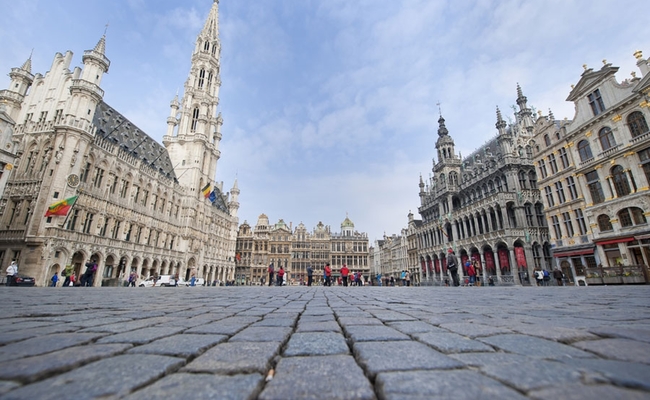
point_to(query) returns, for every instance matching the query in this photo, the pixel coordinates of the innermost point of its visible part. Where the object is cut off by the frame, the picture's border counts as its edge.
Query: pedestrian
(559, 276)
(471, 273)
(407, 277)
(73, 279)
(403, 277)
(539, 277)
(175, 279)
(66, 274)
(54, 279)
(88, 275)
(379, 280)
(452, 266)
(328, 275)
(344, 275)
(546, 277)
(477, 270)
(310, 275)
(280, 276)
(12, 271)
(271, 271)
(133, 277)
(392, 280)
(490, 281)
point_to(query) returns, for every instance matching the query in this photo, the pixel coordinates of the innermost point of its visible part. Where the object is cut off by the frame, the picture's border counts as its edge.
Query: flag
(206, 191)
(61, 207)
(212, 196)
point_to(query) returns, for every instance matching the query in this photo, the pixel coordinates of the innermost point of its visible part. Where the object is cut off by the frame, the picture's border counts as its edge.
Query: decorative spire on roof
(27, 65)
(550, 115)
(442, 129)
(501, 124)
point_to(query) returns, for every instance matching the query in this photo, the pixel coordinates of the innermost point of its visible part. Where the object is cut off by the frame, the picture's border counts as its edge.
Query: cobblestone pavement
(325, 343)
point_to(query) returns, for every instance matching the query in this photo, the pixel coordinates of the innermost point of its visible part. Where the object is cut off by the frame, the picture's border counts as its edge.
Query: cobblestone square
(325, 342)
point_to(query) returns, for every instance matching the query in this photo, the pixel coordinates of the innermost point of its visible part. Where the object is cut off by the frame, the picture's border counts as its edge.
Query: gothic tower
(194, 127)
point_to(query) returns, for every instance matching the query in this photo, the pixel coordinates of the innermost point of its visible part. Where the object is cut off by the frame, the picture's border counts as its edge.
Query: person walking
(12, 271)
(344, 274)
(452, 266)
(310, 275)
(328, 275)
(407, 278)
(54, 279)
(271, 273)
(539, 277)
(402, 276)
(280, 276)
(133, 276)
(559, 276)
(471, 273)
(477, 270)
(73, 279)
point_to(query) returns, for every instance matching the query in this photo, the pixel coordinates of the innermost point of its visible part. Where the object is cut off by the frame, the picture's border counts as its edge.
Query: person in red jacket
(471, 272)
(344, 274)
(280, 276)
(328, 275)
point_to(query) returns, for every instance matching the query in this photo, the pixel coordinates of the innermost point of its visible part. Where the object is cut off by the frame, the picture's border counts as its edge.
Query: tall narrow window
(539, 212)
(580, 218)
(564, 158)
(621, 184)
(72, 220)
(99, 175)
(549, 196)
(571, 185)
(529, 214)
(637, 124)
(532, 180)
(595, 189)
(201, 78)
(542, 169)
(552, 163)
(606, 137)
(84, 173)
(560, 192)
(88, 223)
(555, 221)
(522, 180)
(547, 140)
(644, 157)
(567, 224)
(584, 151)
(195, 119)
(596, 102)
(114, 184)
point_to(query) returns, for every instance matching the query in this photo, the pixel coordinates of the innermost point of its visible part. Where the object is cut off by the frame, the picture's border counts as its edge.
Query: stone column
(514, 268)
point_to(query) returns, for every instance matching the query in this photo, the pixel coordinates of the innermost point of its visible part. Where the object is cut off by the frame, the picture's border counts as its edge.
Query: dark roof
(116, 128)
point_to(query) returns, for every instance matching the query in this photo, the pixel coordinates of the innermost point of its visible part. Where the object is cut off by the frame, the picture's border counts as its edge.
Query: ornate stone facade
(139, 206)
(297, 249)
(595, 173)
(486, 206)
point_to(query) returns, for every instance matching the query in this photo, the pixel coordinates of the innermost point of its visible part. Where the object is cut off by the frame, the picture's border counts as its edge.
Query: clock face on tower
(73, 180)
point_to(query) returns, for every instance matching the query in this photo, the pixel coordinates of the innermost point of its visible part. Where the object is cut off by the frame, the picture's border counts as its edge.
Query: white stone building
(140, 205)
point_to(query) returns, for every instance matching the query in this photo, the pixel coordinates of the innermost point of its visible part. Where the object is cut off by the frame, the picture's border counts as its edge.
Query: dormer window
(596, 102)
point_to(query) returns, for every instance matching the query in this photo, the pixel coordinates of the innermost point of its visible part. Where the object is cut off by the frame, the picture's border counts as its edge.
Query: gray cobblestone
(184, 345)
(316, 344)
(333, 377)
(111, 377)
(30, 369)
(184, 342)
(200, 387)
(234, 358)
(455, 385)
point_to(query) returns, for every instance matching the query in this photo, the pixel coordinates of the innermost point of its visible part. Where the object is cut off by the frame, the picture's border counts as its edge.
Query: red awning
(620, 240)
(573, 253)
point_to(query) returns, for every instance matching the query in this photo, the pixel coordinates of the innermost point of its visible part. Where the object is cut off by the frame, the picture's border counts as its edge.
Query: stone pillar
(514, 268)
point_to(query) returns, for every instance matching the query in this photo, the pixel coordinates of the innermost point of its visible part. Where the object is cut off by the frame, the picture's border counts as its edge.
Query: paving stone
(534, 347)
(551, 332)
(377, 357)
(197, 320)
(226, 326)
(286, 322)
(16, 336)
(618, 349)
(621, 373)
(480, 359)
(30, 369)
(10, 326)
(451, 342)
(7, 386)
(141, 336)
(199, 387)
(108, 378)
(317, 378)
(474, 330)
(324, 326)
(364, 333)
(316, 344)
(536, 375)
(455, 385)
(236, 358)
(391, 316)
(349, 321)
(263, 334)
(185, 345)
(317, 318)
(579, 392)
(45, 344)
(641, 335)
(410, 327)
(121, 327)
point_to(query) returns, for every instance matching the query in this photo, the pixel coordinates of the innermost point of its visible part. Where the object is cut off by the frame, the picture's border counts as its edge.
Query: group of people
(347, 278)
(86, 279)
(280, 276)
(543, 277)
(472, 269)
(12, 271)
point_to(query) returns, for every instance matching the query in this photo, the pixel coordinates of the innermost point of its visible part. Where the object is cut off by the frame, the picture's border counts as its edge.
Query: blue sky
(329, 107)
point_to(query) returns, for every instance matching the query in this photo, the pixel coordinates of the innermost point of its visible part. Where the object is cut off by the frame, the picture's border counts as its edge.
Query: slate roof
(116, 128)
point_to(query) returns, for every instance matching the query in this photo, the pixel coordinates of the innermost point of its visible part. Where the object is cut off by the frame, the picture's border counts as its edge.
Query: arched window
(606, 137)
(529, 152)
(532, 180)
(209, 79)
(214, 49)
(637, 124)
(604, 224)
(631, 216)
(584, 150)
(195, 119)
(621, 184)
(522, 180)
(206, 45)
(547, 140)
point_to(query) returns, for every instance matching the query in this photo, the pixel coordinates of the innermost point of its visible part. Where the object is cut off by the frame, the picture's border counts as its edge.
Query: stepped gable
(116, 128)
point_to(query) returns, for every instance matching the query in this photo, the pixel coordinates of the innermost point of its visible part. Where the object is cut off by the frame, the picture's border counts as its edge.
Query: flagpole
(70, 210)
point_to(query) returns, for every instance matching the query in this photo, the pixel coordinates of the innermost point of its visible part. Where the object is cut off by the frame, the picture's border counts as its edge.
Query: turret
(233, 204)
(12, 98)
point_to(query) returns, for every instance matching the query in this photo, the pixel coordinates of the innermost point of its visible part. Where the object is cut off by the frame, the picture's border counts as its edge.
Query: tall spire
(211, 27)
(27, 66)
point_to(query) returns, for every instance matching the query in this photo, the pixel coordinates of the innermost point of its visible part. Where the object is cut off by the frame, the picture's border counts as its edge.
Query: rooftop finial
(439, 108)
(106, 28)
(638, 54)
